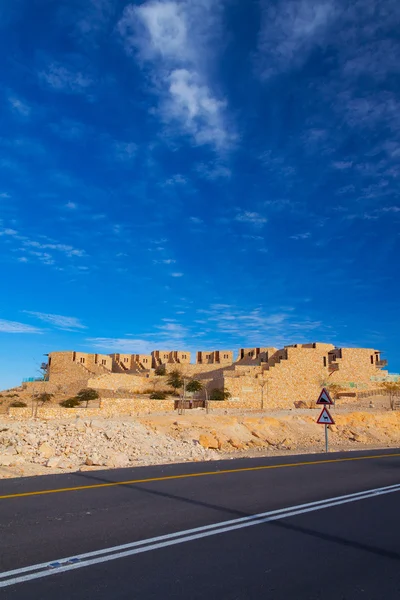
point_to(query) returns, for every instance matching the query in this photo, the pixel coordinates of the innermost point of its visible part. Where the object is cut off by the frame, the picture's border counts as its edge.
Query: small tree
(87, 394)
(194, 386)
(158, 396)
(44, 397)
(70, 403)
(160, 370)
(175, 379)
(219, 394)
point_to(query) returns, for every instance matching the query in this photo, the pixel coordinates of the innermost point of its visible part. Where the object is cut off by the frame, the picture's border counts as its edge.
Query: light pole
(263, 382)
(206, 392)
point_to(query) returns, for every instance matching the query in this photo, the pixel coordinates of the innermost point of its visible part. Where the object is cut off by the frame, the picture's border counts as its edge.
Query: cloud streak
(15, 327)
(171, 37)
(58, 321)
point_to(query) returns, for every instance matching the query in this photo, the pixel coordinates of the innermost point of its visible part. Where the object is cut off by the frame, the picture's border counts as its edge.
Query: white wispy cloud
(15, 327)
(62, 79)
(255, 326)
(5, 195)
(301, 236)
(253, 218)
(40, 249)
(176, 274)
(342, 165)
(19, 106)
(71, 205)
(65, 248)
(290, 29)
(170, 335)
(124, 151)
(8, 231)
(173, 36)
(59, 321)
(177, 179)
(128, 345)
(196, 220)
(213, 171)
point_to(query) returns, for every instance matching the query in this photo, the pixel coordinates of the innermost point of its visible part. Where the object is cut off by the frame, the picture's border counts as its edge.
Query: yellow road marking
(204, 474)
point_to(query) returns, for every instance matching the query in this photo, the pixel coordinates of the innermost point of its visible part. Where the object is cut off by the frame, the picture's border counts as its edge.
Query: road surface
(306, 527)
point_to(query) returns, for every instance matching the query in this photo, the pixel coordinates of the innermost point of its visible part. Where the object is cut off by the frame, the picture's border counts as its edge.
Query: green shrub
(218, 394)
(70, 403)
(160, 370)
(87, 394)
(158, 396)
(175, 379)
(44, 397)
(18, 404)
(194, 386)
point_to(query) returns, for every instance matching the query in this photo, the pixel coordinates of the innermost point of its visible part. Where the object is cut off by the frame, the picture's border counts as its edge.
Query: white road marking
(107, 554)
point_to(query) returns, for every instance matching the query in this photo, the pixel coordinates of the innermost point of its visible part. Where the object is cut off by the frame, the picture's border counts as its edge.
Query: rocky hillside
(36, 446)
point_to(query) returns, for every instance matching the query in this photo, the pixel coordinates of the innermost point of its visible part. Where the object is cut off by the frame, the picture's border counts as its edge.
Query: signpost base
(326, 439)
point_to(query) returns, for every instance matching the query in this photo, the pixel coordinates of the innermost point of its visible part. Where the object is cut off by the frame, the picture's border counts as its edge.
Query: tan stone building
(165, 357)
(221, 357)
(264, 375)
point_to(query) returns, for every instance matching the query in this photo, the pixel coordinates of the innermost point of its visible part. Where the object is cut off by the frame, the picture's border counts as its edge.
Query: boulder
(97, 424)
(117, 459)
(53, 462)
(10, 451)
(46, 450)
(208, 441)
(94, 460)
(238, 444)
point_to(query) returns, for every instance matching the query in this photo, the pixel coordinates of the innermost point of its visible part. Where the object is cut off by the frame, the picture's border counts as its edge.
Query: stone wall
(66, 367)
(356, 365)
(115, 381)
(109, 407)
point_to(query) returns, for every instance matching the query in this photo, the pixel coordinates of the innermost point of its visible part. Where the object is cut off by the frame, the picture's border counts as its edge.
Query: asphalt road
(340, 550)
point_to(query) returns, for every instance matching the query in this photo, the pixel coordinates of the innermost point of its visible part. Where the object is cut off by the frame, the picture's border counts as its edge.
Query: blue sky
(198, 174)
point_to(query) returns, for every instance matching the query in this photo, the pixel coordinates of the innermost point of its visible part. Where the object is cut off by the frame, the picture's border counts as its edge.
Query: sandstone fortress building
(275, 377)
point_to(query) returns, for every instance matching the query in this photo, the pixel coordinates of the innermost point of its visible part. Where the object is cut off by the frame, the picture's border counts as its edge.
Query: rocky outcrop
(84, 444)
(39, 446)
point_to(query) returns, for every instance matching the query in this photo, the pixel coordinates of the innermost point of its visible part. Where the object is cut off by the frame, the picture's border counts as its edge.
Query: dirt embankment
(36, 446)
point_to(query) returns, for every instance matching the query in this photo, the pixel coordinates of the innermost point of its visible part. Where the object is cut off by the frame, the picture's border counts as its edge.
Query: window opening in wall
(125, 360)
(324, 361)
(103, 362)
(207, 356)
(82, 360)
(145, 360)
(372, 359)
(165, 355)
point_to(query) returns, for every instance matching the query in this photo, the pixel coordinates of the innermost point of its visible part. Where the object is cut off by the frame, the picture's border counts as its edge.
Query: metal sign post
(325, 418)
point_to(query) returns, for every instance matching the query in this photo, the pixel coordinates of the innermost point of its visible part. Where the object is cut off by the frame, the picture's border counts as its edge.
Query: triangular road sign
(324, 398)
(325, 418)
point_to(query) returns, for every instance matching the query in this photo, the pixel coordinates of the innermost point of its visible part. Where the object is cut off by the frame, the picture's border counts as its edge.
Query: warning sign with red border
(325, 418)
(324, 398)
